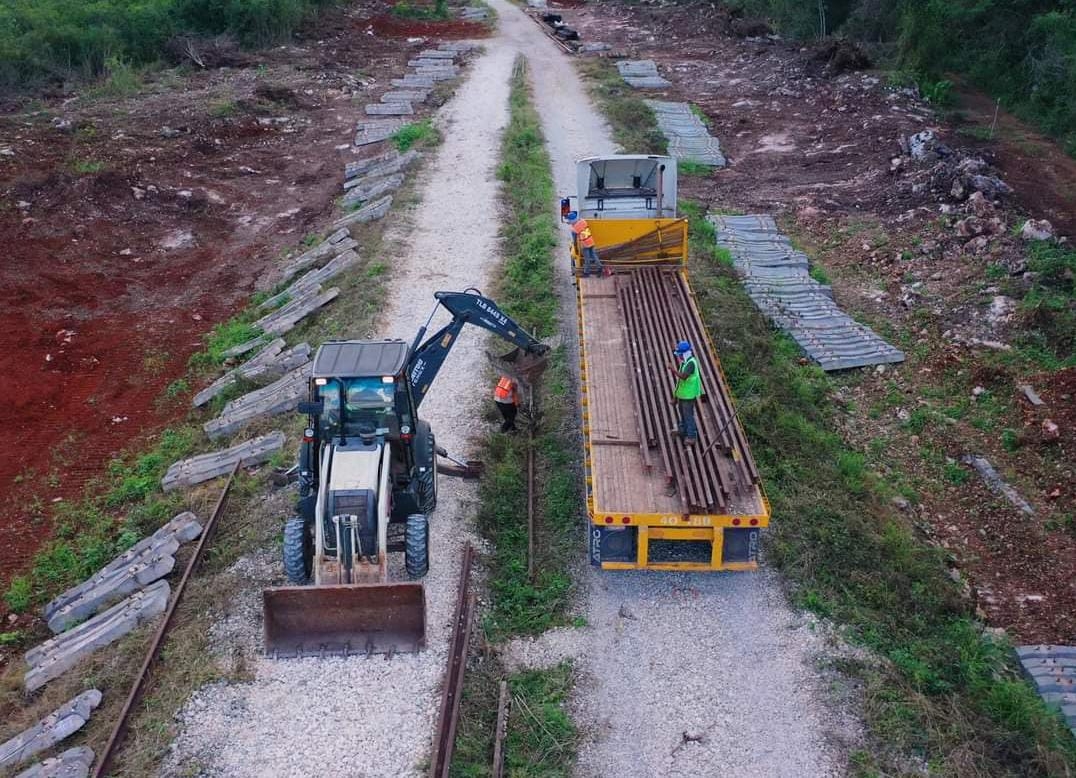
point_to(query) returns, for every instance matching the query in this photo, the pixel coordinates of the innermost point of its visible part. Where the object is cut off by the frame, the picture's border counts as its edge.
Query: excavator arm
(469, 307)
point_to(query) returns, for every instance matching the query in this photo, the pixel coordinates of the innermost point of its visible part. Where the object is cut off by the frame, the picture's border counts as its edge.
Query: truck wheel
(298, 551)
(427, 480)
(417, 545)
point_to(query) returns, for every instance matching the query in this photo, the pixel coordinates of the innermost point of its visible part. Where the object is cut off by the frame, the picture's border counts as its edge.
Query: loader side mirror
(565, 207)
(311, 407)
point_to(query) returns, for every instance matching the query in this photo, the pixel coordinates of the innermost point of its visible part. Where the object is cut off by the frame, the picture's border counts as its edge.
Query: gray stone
(1031, 395)
(62, 722)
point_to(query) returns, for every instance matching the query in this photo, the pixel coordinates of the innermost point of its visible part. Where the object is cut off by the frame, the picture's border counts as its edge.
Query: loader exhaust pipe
(344, 620)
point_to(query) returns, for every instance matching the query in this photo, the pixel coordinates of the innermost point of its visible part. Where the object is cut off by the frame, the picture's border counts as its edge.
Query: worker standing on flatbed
(581, 230)
(687, 392)
(506, 395)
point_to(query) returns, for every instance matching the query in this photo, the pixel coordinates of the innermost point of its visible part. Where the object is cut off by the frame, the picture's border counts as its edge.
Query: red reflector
(736, 522)
(754, 522)
(626, 520)
(608, 519)
(406, 438)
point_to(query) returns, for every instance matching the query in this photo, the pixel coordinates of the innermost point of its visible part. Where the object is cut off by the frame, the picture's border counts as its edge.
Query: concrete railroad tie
(72, 763)
(281, 396)
(389, 109)
(62, 722)
(59, 654)
(205, 467)
(375, 130)
(142, 564)
(374, 210)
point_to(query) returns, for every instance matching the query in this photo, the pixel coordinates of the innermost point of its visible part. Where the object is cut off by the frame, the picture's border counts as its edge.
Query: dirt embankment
(935, 268)
(134, 224)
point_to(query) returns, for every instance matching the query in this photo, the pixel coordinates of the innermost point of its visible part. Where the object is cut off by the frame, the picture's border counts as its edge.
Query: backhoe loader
(367, 486)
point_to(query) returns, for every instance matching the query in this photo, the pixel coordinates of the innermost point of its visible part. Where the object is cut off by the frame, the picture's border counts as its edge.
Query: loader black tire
(298, 551)
(417, 545)
(426, 483)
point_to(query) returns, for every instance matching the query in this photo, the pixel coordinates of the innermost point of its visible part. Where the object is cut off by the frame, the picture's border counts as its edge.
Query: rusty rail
(500, 732)
(448, 717)
(138, 688)
(658, 311)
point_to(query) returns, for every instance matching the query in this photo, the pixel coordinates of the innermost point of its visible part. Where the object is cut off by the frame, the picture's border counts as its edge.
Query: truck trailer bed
(653, 502)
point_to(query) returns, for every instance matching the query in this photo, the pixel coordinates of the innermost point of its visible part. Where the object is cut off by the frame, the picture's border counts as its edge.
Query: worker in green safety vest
(688, 391)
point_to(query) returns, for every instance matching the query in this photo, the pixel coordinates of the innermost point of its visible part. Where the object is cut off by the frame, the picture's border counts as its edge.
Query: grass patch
(86, 167)
(688, 168)
(436, 12)
(818, 274)
(419, 134)
(634, 126)
(946, 691)
(1048, 308)
(226, 335)
(541, 739)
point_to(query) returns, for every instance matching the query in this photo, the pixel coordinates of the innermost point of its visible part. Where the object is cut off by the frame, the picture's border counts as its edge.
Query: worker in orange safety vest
(581, 230)
(506, 396)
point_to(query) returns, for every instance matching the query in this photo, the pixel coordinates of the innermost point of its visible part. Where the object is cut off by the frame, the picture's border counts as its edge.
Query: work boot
(690, 441)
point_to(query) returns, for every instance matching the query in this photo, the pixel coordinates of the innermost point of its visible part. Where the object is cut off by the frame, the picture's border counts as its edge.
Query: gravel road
(679, 675)
(350, 717)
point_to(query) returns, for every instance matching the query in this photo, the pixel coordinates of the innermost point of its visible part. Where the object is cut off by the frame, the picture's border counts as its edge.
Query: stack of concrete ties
(267, 365)
(641, 74)
(776, 278)
(124, 594)
(281, 396)
(689, 138)
(1053, 670)
(61, 723)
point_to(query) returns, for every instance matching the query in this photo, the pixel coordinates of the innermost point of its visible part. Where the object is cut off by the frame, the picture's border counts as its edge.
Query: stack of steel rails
(659, 311)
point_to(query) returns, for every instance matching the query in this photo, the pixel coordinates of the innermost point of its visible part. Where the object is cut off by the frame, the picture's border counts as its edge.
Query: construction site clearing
(654, 502)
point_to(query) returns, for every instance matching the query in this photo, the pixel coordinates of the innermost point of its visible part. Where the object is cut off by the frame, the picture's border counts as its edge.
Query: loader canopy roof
(356, 358)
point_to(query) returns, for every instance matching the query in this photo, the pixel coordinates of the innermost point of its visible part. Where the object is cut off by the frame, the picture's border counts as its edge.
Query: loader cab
(363, 390)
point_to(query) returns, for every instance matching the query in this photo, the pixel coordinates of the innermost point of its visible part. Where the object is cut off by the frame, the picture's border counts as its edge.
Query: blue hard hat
(572, 216)
(683, 346)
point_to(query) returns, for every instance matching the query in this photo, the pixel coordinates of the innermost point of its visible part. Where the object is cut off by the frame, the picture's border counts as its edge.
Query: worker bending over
(688, 390)
(581, 231)
(506, 396)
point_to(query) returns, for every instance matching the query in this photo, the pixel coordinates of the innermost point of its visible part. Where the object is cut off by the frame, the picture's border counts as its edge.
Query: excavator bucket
(344, 619)
(520, 365)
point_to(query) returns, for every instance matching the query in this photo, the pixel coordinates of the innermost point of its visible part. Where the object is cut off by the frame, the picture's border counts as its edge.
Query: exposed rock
(1050, 430)
(1037, 230)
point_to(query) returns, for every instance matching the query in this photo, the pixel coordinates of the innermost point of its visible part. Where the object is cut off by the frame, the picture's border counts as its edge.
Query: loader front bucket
(344, 619)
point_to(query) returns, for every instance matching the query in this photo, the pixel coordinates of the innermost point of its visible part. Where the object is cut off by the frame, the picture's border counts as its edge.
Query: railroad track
(138, 688)
(448, 717)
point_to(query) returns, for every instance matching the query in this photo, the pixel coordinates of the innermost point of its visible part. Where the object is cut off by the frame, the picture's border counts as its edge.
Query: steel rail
(448, 717)
(138, 688)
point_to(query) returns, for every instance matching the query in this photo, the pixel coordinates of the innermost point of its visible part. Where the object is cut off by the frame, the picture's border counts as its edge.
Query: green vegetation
(634, 125)
(1049, 306)
(421, 133)
(688, 168)
(945, 689)
(1023, 53)
(86, 167)
(436, 12)
(819, 274)
(541, 739)
(10, 638)
(224, 336)
(55, 39)
(19, 594)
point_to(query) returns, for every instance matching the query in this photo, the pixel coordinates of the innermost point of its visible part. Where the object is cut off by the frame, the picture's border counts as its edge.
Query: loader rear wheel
(298, 551)
(417, 545)
(426, 485)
